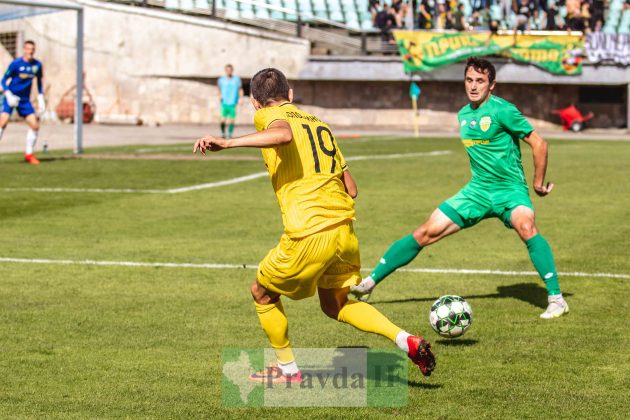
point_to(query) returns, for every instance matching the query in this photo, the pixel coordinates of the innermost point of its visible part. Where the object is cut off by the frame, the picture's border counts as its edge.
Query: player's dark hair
(230, 66)
(269, 85)
(28, 41)
(482, 66)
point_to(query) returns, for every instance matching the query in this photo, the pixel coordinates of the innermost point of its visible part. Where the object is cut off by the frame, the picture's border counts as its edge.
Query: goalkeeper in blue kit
(491, 129)
(16, 85)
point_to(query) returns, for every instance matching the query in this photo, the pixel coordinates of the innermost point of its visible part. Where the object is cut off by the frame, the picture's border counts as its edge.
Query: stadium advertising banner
(426, 51)
(608, 47)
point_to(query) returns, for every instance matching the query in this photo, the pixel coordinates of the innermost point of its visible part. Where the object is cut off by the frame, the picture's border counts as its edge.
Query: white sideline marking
(218, 183)
(123, 263)
(86, 190)
(147, 191)
(236, 180)
(507, 273)
(400, 155)
(254, 267)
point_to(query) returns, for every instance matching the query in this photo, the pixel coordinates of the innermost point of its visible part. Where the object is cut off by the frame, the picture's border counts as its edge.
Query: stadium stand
(349, 27)
(355, 14)
(618, 18)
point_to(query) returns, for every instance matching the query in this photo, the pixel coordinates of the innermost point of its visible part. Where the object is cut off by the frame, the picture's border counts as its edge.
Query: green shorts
(228, 112)
(474, 203)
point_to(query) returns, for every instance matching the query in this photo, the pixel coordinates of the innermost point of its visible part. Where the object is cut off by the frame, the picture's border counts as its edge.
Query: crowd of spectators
(483, 15)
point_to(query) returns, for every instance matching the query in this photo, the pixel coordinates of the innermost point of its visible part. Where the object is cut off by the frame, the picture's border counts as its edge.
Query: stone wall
(443, 98)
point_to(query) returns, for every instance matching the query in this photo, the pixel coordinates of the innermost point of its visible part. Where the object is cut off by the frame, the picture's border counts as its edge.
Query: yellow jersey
(306, 172)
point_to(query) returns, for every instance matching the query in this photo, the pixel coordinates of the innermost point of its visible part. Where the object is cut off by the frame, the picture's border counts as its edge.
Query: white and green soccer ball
(450, 316)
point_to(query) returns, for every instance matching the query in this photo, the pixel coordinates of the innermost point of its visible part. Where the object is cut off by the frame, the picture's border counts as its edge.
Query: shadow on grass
(45, 159)
(352, 347)
(532, 293)
(387, 370)
(457, 342)
(423, 385)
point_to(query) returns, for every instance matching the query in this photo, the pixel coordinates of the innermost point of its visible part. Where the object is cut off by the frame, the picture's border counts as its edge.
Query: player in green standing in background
(491, 129)
(230, 92)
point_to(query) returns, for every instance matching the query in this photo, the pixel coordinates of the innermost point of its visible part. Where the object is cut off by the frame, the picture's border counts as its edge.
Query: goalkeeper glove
(42, 103)
(12, 99)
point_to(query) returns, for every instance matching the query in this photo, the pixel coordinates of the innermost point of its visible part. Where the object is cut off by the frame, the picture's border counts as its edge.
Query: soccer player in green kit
(491, 129)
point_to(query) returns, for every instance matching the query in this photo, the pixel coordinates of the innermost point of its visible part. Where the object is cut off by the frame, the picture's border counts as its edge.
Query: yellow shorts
(297, 267)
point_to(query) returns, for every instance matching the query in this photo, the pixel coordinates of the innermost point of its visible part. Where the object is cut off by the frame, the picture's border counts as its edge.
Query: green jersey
(491, 135)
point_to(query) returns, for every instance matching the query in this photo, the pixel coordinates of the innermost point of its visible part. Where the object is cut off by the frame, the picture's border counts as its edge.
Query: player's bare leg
(365, 317)
(276, 325)
(4, 121)
(403, 251)
(31, 138)
(524, 223)
(438, 226)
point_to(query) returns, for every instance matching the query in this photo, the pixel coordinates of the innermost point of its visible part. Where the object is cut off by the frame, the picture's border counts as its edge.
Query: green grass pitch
(83, 341)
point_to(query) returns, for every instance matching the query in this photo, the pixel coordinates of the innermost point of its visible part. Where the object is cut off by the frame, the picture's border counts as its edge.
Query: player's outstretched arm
(350, 184)
(41, 101)
(278, 133)
(5, 78)
(12, 99)
(40, 79)
(539, 151)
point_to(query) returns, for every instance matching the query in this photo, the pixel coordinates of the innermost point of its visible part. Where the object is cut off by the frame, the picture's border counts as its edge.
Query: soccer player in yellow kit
(318, 250)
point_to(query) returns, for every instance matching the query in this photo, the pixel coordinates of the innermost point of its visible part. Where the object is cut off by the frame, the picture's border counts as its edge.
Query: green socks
(540, 253)
(230, 130)
(401, 253)
(223, 129)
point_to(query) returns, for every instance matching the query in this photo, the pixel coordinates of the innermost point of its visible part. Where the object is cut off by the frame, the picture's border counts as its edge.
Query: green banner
(426, 51)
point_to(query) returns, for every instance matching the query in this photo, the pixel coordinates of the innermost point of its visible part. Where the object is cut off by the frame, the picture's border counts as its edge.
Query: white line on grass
(254, 267)
(218, 183)
(122, 263)
(399, 155)
(236, 180)
(508, 273)
(147, 191)
(86, 190)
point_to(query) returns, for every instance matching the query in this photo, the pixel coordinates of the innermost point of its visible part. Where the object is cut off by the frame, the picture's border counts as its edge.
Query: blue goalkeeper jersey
(19, 77)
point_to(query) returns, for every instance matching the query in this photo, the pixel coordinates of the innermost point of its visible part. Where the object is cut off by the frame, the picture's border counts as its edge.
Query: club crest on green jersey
(484, 123)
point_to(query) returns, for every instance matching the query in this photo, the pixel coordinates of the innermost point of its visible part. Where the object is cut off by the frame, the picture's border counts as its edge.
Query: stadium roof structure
(17, 9)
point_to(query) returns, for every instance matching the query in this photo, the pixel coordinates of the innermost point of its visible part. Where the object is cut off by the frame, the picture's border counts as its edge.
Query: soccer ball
(450, 316)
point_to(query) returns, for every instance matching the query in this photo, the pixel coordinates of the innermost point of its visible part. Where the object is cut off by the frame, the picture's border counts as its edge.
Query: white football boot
(556, 308)
(363, 290)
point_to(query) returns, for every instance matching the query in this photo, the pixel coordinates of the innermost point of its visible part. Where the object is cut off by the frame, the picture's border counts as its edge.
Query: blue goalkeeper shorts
(24, 107)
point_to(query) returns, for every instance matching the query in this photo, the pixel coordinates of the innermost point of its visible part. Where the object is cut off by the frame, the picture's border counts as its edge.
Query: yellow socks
(367, 318)
(275, 324)
(360, 315)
